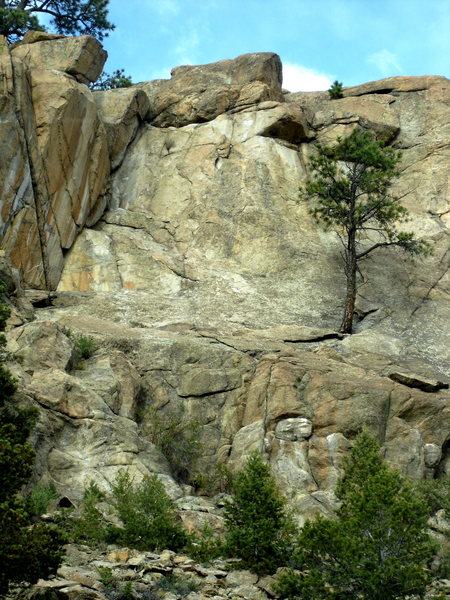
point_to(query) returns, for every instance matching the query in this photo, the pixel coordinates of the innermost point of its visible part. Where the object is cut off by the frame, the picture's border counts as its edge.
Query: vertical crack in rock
(266, 403)
(387, 413)
(25, 117)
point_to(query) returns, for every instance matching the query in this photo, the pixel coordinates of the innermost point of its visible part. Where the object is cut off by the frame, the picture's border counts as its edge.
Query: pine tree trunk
(350, 271)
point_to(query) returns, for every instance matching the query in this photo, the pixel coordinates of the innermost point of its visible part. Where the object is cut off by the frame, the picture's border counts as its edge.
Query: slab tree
(350, 192)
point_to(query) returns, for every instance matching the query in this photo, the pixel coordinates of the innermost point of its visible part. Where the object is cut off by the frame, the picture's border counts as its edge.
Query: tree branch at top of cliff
(350, 188)
(69, 17)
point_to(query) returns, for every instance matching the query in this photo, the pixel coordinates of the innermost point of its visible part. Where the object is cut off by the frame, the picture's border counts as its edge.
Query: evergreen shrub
(258, 527)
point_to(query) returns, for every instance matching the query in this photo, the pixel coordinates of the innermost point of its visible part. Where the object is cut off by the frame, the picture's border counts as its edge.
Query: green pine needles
(335, 90)
(68, 17)
(377, 547)
(349, 191)
(147, 517)
(258, 528)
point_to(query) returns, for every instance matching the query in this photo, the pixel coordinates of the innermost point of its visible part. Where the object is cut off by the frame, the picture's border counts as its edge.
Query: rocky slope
(163, 220)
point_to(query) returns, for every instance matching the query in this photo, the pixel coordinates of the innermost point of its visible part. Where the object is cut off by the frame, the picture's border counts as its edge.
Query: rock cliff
(163, 220)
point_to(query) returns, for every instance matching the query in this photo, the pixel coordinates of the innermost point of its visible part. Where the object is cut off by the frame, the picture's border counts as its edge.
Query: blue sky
(354, 41)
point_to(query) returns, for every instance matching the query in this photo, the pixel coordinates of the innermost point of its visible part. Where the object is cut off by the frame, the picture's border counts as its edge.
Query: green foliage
(114, 589)
(90, 527)
(205, 545)
(258, 528)
(181, 586)
(117, 79)
(147, 514)
(335, 91)
(106, 577)
(38, 499)
(68, 17)
(148, 519)
(14, 23)
(27, 551)
(349, 188)
(217, 480)
(84, 347)
(436, 494)
(176, 436)
(377, 547)
(127, 592)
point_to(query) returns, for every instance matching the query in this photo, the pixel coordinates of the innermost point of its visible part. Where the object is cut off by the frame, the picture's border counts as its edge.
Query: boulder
(196, 94)
(82, 57)
(121, 111)
(55, 178)
(396, 84)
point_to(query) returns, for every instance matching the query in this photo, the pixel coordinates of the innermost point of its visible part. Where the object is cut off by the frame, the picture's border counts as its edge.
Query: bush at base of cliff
(258, 528)
(147, 514)
(205, 545)
(90, 527)
(436, 494)
(376, 548)
(147, 517)
(176, 436)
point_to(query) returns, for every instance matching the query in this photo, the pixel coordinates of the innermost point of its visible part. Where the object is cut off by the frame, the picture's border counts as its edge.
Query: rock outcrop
(163, 220)
(55, 163)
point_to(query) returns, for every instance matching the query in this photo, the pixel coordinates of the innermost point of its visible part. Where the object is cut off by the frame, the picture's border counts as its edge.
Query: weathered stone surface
(115, 379)
(208, 285)
(418, 382)
(271, 265)
(41, 345)
(73, 145)
(293, 429)
(397, 84)
(121, 111)
(82, 56)
(300, 409)
(200, 93)
(54, 180)
(238, 578)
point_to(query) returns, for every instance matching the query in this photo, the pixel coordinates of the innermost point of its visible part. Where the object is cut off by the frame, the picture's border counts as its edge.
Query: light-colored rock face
(211, 290)
(56, 154)
(207, 216)
(83, 56)
(121, 111)
(196, 94)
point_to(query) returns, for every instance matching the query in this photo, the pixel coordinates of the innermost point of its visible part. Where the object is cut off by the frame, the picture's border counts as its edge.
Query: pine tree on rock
(377, 547)
(68, 17)
(258, 528)
(350, 189)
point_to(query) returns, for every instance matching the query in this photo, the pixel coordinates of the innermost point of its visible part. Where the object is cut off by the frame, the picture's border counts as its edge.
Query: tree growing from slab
(350, 193)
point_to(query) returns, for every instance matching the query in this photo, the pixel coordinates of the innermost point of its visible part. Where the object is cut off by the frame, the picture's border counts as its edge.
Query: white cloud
(301, 79)
(167, 8)
(386, 62)
(186, 51)
(163, 73)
